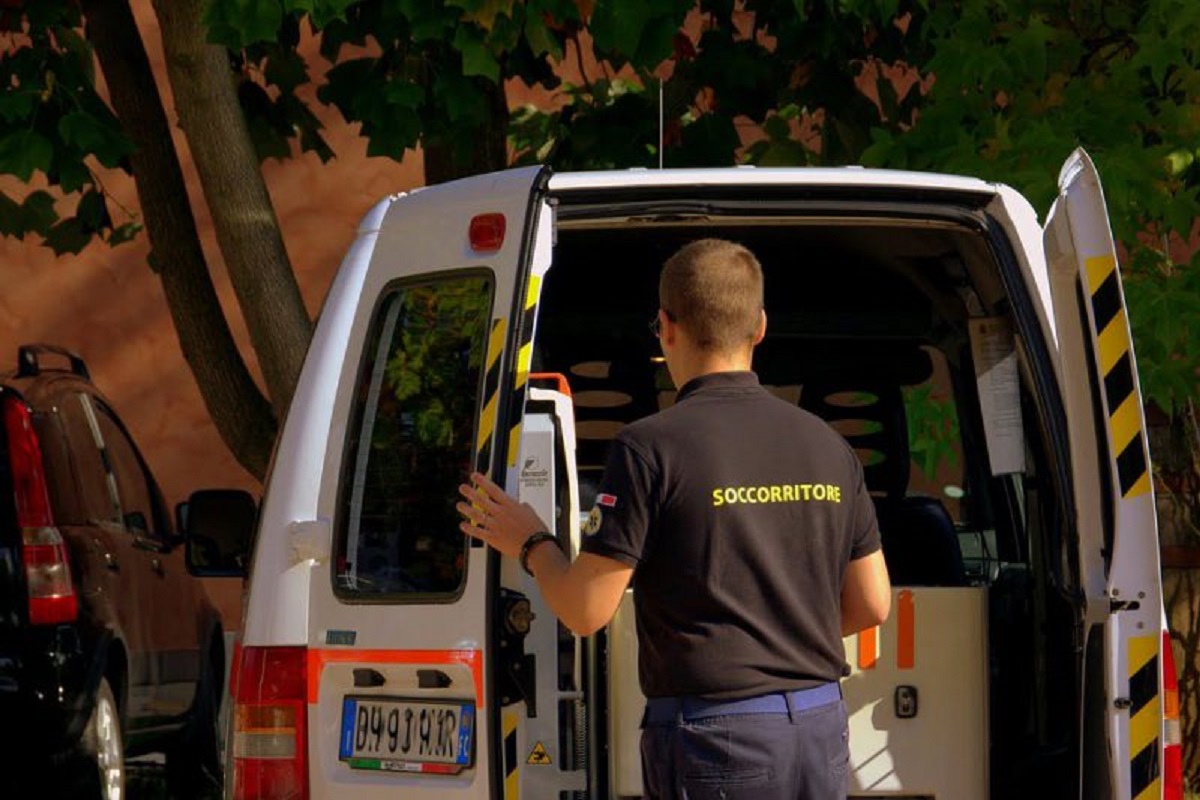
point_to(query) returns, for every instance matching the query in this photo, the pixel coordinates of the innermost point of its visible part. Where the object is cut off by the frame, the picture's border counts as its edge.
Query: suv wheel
(103, 744)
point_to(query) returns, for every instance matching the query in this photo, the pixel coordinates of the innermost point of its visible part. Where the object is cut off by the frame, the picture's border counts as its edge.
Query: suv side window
(97, 495)
(137, 505)
(61, 471)
(412, 441)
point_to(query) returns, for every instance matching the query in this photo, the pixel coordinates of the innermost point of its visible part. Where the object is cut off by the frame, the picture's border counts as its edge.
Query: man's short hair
(713, 288)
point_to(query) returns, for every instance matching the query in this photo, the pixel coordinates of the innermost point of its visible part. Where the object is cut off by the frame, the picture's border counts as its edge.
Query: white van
(979, 363)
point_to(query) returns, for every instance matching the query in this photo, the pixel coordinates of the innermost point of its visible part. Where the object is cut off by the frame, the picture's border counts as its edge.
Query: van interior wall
(856, 305)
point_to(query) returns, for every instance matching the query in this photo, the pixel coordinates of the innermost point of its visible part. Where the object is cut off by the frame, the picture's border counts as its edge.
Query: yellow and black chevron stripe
(491, 396)
(1115, 355)
(1145, 718)
(511, 785)
(524, 362)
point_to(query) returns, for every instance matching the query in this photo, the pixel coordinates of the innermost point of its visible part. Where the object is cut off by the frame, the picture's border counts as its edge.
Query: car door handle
(157, 565)
(111, 563)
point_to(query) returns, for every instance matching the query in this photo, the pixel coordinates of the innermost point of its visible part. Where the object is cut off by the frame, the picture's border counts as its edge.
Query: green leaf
(124, 233)
(17, 104)
(541, 42)
(286, 69)
(484, 12)
(404, 94)
(401, 131)
(656, 42)
(345, 83)
(618, 26)
(477, 58)
(77, 47)
(37, 213)
(268, 141)
(238, 23)
(91, 135)
(92, 211)
(71, 174)
(464, 101)
(68, 236)
(24, 152)
(322, 12)
(777, 127)
(11, 222)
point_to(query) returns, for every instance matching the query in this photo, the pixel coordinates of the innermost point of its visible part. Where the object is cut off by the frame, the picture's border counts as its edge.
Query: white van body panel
(310, 438)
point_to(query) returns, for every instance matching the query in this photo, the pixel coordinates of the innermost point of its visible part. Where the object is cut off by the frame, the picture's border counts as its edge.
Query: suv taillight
(52, 598)
(270, 724)
(1172, 738)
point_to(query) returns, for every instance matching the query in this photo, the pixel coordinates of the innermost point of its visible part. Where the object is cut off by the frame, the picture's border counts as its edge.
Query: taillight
(270, 724)
(52, 598)
(1172, 737)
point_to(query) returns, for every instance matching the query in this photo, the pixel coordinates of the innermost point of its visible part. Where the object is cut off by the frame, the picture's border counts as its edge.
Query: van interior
(869, 327)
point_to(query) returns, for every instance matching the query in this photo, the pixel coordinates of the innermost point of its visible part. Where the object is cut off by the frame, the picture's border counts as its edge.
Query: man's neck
(697, 364)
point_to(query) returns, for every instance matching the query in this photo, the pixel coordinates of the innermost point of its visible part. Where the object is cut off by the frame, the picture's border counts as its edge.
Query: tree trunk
(247, 230)
(241, 413)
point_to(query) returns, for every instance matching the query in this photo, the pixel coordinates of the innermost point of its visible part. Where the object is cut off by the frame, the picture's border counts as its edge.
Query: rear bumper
(45, 692)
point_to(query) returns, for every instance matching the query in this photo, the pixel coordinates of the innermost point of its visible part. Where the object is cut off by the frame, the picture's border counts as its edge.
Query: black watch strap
(527, 548)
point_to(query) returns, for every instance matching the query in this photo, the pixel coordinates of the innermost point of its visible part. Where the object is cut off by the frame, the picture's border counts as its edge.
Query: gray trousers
(803, 755)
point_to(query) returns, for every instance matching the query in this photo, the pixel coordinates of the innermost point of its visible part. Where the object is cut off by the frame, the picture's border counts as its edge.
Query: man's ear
(668, 327)
(762, 327)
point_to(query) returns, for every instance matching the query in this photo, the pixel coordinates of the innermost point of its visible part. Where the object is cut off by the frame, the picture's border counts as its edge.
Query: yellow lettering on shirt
(768, 494)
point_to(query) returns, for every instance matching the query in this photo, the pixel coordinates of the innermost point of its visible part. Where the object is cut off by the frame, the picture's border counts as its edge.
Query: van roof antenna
(660, 124)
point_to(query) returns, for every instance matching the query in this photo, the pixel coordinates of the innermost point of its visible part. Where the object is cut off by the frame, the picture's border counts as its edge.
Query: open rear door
(1116, 524)
(401, 673)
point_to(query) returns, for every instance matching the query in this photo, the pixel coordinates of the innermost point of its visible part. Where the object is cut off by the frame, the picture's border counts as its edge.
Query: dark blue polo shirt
(739, 513)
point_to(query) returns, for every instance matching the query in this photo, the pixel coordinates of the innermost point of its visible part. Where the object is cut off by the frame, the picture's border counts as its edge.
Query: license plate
(403, 735)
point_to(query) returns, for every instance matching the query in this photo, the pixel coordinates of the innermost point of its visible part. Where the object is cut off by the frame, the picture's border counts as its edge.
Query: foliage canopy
(1000, 89)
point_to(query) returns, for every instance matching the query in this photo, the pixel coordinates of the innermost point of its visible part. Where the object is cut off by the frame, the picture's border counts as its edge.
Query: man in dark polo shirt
(746, 528)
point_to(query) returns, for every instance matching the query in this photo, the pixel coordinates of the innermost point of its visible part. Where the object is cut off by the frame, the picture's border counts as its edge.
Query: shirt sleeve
(865, 530)
(618, 525)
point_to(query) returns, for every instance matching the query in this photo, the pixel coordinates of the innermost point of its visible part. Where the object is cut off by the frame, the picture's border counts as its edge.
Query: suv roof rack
(28, 366)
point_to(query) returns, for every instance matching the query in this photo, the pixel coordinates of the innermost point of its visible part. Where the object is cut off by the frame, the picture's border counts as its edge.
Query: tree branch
(246, 226)
(241, 413)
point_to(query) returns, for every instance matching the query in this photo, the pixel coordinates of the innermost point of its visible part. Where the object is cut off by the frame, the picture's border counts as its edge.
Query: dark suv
(108, 647)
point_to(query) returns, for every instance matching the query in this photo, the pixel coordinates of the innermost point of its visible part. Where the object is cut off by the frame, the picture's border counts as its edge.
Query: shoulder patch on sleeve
(595, 517)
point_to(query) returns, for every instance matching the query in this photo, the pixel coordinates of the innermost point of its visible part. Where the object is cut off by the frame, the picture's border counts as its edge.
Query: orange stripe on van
(906, 645)
(868, 648)
(317, 659)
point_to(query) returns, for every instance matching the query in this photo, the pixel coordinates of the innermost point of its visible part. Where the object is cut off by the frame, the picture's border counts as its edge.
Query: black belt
(667, 709)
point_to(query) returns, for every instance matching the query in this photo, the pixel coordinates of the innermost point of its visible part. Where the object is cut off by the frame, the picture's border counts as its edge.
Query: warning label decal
(538, 755)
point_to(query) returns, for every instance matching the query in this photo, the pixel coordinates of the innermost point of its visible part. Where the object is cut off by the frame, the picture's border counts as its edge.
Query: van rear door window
(411, 442)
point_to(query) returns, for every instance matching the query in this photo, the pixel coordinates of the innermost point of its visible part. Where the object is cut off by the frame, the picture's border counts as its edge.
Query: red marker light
(487, 232)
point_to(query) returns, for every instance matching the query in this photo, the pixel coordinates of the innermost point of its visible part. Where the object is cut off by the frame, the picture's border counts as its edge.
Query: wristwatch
(527, 548)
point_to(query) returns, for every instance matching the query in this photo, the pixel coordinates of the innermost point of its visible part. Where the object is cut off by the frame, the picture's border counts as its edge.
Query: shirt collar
(718, 380)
